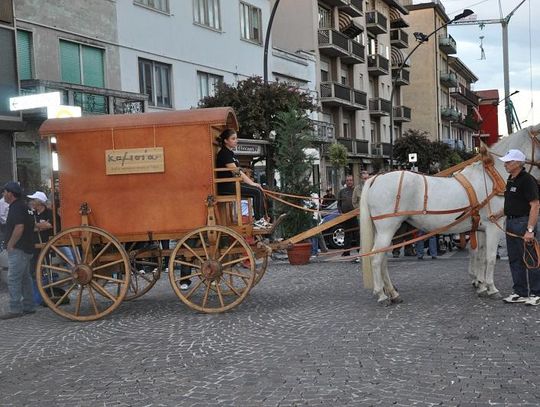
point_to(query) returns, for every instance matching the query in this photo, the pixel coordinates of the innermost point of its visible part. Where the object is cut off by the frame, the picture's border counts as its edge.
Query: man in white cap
(43, 223)
(521, 206)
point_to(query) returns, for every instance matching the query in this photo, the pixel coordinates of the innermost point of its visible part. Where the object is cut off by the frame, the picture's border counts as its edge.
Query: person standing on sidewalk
(20, 248)
(521, 206)
(345, 204)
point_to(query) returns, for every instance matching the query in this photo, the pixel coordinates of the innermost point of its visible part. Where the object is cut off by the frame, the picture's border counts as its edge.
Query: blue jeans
(432, 246)
(21, 291)
(519, 271)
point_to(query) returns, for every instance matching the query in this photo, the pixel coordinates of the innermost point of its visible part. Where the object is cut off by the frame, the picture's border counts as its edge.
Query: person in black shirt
(20, 247)
(228, 140)
(345, 204)
(43, 223)
(521, 206)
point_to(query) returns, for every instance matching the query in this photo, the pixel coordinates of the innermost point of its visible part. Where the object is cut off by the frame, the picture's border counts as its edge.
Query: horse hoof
(495, 296)
(386, 302)
(482, 293)
(397, 300)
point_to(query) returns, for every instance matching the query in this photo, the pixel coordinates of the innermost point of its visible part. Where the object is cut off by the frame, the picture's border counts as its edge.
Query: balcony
(464, 95)
(352, 7)
(352, 29)
(323, 132)
(468, 122)
(447, 44)
(449, 79)
(454, 144)
(336, 94)
(402, 78)
(450, 113)
(362, 147)
(377, 65)
(92, 100)
(356, 53)
(402, 114)
(379, 107)
(348, 143)
(336, 3)
(333, 43)
(399, 38)
(376, 23)
(376, 149)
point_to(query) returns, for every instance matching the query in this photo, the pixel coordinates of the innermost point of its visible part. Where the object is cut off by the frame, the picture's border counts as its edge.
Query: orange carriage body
(139, 206)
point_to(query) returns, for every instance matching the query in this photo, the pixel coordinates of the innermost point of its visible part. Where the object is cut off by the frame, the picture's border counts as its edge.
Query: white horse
(379, 198)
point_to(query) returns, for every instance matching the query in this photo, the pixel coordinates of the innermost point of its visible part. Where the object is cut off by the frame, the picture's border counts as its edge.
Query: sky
(523, 46)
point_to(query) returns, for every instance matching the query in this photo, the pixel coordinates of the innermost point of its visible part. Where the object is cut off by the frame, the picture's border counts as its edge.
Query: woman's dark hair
(225, 134)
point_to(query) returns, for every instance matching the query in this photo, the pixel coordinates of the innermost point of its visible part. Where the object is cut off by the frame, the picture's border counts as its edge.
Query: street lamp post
(421, 38)
(267, 41)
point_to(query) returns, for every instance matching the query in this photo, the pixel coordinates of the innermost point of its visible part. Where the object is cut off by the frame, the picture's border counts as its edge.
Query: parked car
(335, 236)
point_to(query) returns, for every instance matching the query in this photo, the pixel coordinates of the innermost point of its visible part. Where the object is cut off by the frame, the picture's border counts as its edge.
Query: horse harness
(473, 209)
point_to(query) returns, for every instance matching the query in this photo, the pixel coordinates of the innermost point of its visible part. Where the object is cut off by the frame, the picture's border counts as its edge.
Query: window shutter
(24, 54)
(93, 74)
(70, 64)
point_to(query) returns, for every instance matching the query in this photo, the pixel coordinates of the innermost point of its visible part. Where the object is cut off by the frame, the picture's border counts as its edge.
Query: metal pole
(267, 41)
(507, 108)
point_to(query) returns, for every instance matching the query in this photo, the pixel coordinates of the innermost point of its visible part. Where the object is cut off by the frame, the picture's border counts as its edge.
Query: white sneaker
(184, 286)
(514, 298)
(533, 300)
(261, 223)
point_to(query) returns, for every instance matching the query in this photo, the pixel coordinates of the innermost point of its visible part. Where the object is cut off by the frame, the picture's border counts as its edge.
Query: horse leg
(377, 263)
(389, 288)
(493, 234)
(474, 265)
(480, 265)
(380, 266)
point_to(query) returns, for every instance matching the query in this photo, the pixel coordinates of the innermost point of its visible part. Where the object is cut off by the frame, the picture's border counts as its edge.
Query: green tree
(337, 153)
(294, 166)
(414, 141)
(256, 105)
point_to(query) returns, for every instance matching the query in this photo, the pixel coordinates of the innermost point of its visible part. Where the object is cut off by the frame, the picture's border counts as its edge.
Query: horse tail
(366, 235)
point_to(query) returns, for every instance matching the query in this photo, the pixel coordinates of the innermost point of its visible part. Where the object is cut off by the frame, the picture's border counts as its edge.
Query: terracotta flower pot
(299, 253)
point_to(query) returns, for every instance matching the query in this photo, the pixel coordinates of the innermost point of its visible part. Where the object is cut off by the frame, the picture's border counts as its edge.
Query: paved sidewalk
(307, 335)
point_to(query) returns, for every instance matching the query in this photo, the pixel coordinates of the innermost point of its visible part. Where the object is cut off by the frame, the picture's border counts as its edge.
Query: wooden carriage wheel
(219, 280)
(145, 272)
(83, 273)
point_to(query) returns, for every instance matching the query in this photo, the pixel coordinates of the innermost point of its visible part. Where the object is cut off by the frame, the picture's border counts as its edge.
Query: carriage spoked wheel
(219, 279)
(145, 272)
(83, 273)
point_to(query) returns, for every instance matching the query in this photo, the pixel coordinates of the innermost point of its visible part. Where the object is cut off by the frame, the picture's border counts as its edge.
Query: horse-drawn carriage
(125, 184)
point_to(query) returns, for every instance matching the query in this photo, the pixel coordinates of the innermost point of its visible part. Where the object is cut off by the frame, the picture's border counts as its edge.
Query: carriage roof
(218, 117)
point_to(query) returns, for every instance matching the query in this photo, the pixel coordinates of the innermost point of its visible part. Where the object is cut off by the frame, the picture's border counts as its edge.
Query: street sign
(413, 157)
(34, 101)
(62, 111)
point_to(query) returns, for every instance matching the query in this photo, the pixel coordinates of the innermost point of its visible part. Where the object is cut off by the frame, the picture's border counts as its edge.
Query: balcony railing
(323, 132)
(449, 79)
(333, 43)
(362, 147)
(376, 23)
(381, 149)
(356, 53)
(399, 38)
(348, 143)
(352, 7)
(402, 78)
(379, 107)
(92, 100)
(469, 122)
(336, 94)
(377, 65)
(447, 44)
(386, 149)
(450, 113)
(336, 3)
(464, 95)
(455, 144)
(402, 114)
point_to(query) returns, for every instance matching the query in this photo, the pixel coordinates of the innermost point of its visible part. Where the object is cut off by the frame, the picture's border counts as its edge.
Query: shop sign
(134, 161)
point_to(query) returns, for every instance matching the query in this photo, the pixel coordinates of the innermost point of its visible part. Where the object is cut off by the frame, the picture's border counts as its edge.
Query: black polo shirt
(519, 192)
(19, 214)
(45, 216)
(224, 157)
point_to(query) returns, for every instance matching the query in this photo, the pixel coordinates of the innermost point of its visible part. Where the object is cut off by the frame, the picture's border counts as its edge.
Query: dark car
(335, 236)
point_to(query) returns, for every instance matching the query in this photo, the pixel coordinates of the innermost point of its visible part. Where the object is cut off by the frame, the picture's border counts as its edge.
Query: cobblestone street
(306, 335)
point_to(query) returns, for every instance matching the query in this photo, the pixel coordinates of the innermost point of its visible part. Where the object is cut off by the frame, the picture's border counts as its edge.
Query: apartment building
(132, 56)
(440, 94)
(359, 46)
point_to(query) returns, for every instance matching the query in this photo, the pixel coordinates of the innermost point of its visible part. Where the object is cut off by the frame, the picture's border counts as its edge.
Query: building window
(160, 5)
(24, 54)
(81, 64)
(155, 81)
(250, 23)
(325, 17)
(325, 71)
(207, 84)
(206, 12)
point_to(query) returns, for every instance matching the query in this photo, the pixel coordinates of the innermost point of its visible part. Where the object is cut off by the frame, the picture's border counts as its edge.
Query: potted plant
(294, 165)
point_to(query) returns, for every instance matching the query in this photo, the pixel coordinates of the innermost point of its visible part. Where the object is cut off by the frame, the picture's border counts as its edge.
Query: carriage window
(206, 12)
(250, 23)
(207, 84)
(155, 81)
(159, 5)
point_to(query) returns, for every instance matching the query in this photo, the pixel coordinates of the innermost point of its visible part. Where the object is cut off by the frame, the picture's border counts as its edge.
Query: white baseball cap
(40, 196)
(513, 155)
